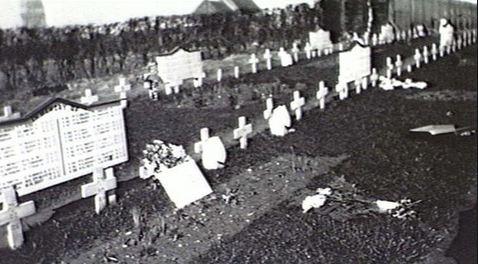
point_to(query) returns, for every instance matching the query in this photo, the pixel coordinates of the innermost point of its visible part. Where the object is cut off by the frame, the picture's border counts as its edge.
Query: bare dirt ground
(384, 161)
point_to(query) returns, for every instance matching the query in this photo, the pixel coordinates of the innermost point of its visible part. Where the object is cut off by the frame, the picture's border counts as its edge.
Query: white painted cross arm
(89, 98)
(242, 132)
(11, 215)
(321, 94)
(122, 87)
(198, 147)
(254, 61)
(98, 188)
(270, 107)
(297, 104)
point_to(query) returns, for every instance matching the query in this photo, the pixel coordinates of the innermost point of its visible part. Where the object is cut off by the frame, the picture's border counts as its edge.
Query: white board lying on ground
(355, 63)
(320, 40)
(59, 141)
(436, 129)
(179, 65)
(184, 183)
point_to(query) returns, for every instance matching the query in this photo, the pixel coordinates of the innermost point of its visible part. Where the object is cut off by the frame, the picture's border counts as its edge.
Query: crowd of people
(39, 56)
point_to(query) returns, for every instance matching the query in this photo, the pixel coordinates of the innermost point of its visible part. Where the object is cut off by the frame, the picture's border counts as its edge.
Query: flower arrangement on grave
(160, 156)
(342, 201)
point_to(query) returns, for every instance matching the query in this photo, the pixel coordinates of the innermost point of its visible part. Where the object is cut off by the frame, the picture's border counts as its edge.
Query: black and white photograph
(238, 132)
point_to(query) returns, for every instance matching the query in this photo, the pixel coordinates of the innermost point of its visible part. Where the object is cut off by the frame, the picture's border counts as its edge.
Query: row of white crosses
(89, 98)
(424, 55)
(285, 58)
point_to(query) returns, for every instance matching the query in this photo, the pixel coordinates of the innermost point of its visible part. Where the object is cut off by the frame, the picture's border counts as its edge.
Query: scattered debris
(345, 201)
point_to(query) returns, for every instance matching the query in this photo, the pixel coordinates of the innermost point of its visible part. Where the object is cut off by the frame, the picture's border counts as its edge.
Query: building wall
(428, 12)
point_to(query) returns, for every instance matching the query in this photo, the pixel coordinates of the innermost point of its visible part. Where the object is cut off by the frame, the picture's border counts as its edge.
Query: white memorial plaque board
(320, 40)
(179, 65)
(184, 183)
(58, 142)
(355, 64)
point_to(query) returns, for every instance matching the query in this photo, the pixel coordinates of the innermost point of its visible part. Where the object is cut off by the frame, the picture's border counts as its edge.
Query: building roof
(224, 6)
(248, 5)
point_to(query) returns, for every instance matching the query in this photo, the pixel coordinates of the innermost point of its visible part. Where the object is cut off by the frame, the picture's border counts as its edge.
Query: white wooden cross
(404, 35)
(374, 39)
(314, 53)
(425, 54)
(358, 86)
(453, 47)
(409, 68)
(254, 61)
(198, 82)
(459, 42)
(364, 83)
(442, 51)
(341, 46)
(308, 50)
(374, 77)
(295, 52)
(434, 51)
(389, 63)
(122, 87)
(198, 147)
(12, 214)
(465, 38)
(343, 90)
(322, 93)
(297, 104)
(270, 107)
(8, 113)
(103, 181)
(389, 74)
(398, 36)
(124, 100)
(89, 98)
(268, 58)
(236, 72)
(417, 57)
(219, 75)
(242, 132)
(399, 65)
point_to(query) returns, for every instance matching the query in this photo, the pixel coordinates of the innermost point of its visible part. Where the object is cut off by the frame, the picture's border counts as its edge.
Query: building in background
(32, 13)
(225, 6)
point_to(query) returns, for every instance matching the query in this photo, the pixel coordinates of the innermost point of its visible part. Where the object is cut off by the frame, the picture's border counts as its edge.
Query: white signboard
(60, 142)
(355, 64)
(180, 65)
(320, 40)
(184, 183)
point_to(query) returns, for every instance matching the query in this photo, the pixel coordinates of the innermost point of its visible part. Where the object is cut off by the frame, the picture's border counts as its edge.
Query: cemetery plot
(234, 121)
(58, 142)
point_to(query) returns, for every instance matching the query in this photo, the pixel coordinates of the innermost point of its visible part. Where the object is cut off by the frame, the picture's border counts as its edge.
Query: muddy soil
(385, 161)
